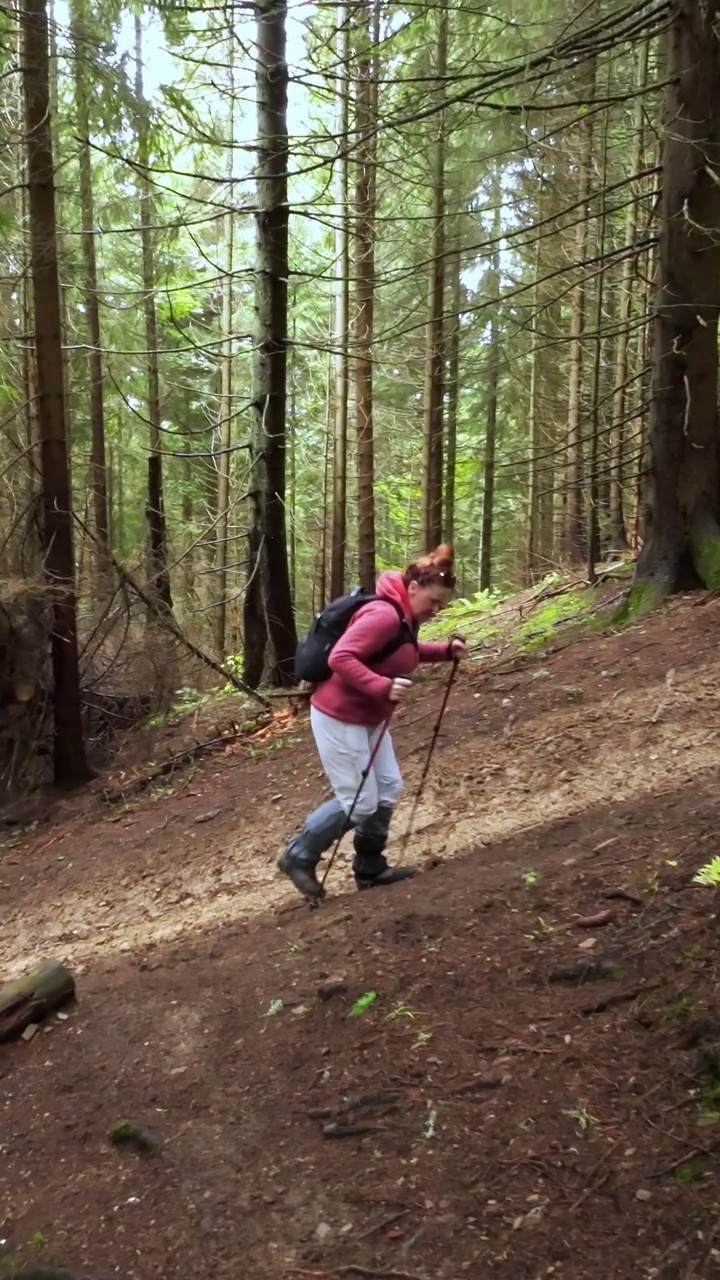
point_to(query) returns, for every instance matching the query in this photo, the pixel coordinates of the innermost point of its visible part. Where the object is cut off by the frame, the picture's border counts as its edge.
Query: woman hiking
(349, 712)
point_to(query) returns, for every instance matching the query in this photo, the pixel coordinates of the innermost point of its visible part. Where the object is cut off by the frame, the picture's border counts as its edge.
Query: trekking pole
(363, 779)
(435, 733)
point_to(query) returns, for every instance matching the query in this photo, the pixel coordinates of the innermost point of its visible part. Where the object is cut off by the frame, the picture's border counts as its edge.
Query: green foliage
(709, 874)
(185, 700)
(362, 1004)
(470, 617)
(691, 1172)
(542, 622)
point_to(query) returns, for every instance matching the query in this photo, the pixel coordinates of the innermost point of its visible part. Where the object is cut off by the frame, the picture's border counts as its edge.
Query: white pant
(344, 751)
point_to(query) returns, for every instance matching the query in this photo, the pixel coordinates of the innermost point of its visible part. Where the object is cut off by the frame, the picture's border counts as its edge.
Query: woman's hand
(399, 688)
(457, 649)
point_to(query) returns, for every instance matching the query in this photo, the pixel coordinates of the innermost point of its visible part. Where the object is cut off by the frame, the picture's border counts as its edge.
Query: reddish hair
(433, 570)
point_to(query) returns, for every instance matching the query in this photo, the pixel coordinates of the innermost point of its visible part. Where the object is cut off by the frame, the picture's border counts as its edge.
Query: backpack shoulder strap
(405, 634)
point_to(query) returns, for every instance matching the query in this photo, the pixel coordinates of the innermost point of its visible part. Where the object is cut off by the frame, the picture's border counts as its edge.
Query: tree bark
(159, 576)
(365, 206)
(98, 463)
(342, 300)
(453, 395)
(593, 492)
(682, 546)
(225, 433)
(534, 563)
(268, 613)
(434, 335)
(575, 533)
(69, 758)
(618, 531)
(493, 378)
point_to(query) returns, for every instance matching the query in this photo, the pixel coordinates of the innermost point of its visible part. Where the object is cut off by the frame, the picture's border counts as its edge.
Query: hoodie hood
(390, 586)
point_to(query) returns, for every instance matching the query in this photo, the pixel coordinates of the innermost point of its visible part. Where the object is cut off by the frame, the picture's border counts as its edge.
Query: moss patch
(538, 629)
(707, 560)
(642, 598)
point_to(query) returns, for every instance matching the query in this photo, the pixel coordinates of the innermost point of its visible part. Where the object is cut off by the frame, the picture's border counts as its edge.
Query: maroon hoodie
(357, 692)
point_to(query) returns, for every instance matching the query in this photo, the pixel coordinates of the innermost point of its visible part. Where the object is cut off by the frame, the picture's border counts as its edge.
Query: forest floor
(485, 1112)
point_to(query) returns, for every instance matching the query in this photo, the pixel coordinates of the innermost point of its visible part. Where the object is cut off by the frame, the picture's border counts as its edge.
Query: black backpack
(313, 651)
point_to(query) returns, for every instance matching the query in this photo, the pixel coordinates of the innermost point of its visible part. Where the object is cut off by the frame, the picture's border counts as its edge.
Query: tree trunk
(69, 759)
(682, 547)
(225, 433)
(342, 290)
(188, 518)
(365, 207)
(636, 522)
(268, 613)
(534, 564)
(434, 339)
(453, 392)
(488, 504)
(618, 532)
(322, 568)
(98, 464)
(292, 466)
(593, 495)
(159, 578)
(493, 378)
(575, 540)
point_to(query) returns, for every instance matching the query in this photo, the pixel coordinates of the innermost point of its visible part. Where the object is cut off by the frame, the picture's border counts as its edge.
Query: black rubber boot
(299, 859)
(389, 875)
(370, 866)
(301, 875)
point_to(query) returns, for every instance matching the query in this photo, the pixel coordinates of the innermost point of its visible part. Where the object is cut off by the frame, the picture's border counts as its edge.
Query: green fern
(709, 874)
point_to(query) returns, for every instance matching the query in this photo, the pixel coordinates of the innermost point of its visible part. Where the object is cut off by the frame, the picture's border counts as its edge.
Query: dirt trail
(527, 750)
(513, 1128)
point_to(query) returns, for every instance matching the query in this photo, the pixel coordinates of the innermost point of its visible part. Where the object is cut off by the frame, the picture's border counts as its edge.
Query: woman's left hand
(458, 649)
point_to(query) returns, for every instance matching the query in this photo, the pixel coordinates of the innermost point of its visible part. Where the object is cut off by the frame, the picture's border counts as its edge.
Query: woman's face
(426, 602)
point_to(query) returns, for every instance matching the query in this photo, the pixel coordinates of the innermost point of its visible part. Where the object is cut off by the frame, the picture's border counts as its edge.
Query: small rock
(642, 1194)
(206, 817)
(322, 1230)
(62, 1016)
(597, 921)
(586, 970)
(30, 1031)
(587, 944)
(130, 1134)
(335, 987)
(276, 799)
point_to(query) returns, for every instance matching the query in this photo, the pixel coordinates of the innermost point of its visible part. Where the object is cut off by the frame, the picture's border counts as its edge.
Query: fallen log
(31, 998)
(46, 1271)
